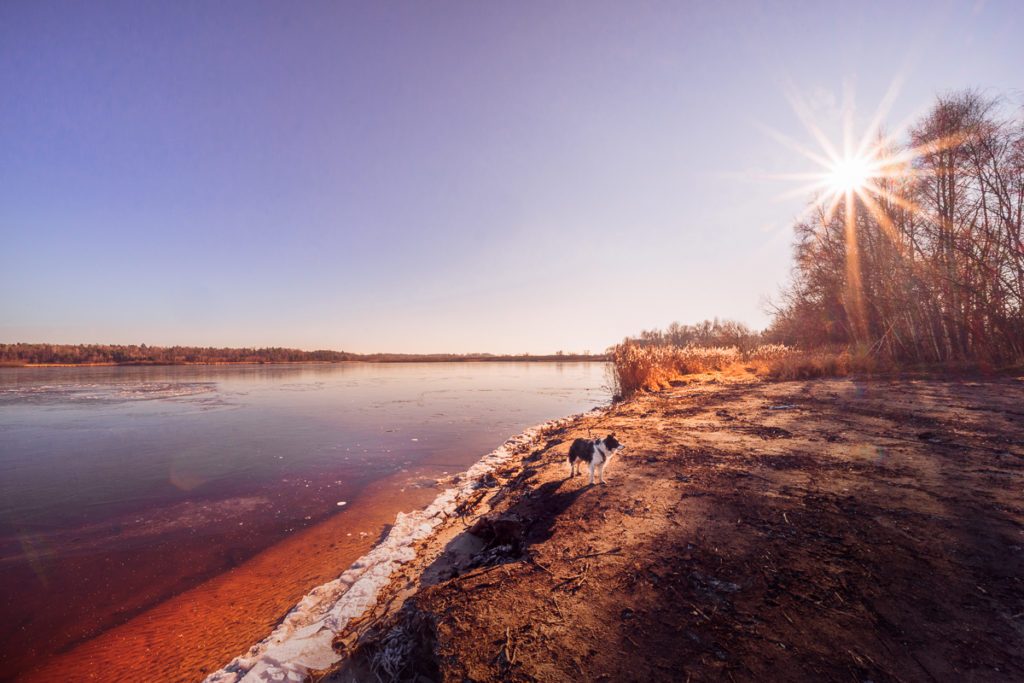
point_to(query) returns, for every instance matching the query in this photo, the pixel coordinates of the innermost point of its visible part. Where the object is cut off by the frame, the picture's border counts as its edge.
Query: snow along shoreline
(302, 641)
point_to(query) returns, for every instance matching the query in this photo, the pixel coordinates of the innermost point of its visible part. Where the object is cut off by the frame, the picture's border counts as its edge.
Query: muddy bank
(827, 530)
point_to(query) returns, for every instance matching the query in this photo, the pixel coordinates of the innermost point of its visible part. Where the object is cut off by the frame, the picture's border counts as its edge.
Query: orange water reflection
(201, 630)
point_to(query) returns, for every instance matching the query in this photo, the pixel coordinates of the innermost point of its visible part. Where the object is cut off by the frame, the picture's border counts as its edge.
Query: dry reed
(638, 368)
(649, 368)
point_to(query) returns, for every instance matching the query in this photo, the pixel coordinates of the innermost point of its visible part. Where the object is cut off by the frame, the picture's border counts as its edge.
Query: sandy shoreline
(814, 530)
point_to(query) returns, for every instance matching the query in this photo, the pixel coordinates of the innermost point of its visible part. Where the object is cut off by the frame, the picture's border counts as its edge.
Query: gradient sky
(435, 176)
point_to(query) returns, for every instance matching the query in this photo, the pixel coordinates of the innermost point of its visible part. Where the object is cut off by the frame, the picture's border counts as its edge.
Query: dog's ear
(611, 436)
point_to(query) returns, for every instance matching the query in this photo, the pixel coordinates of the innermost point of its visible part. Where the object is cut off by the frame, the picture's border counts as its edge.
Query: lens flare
(850, 175)
(851, 172)
(865, 178)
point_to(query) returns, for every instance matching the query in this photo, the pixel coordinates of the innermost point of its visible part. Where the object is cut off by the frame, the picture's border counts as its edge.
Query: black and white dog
(595, 453)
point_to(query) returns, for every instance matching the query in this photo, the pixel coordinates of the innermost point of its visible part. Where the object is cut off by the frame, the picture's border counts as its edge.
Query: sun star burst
(850, 174)
(868, 179)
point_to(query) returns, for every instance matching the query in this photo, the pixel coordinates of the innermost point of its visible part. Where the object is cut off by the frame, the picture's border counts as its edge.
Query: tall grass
(637, 367)
(648, 368)
(824, 363)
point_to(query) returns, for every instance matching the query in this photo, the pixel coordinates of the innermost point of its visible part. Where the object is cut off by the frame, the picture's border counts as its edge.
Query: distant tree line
(157, 355)
(930, 266)
(708, 333)
(84, 354)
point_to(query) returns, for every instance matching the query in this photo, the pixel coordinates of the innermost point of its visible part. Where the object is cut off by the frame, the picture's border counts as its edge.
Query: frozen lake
(121, 486)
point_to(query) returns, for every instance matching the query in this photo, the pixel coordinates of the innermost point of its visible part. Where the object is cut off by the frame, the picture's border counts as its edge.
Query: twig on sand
(580, 578)
(507, 649)
(473, 573)
(537, 563)
(613, 551)
(509, 655)
(866, 656)
(557, 608)
(697, 610)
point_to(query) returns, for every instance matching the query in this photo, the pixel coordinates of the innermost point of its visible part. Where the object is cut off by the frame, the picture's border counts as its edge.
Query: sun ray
(939, 144)
(915, 208)
(806, 212)
(814, 188)
(860, 180)
(803, 112)
(884, 221)
(883, 109)
(847, 119)
(794, 145)
(833, 207)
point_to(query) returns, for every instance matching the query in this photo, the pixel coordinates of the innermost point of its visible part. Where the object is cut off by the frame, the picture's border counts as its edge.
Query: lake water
(122, 486)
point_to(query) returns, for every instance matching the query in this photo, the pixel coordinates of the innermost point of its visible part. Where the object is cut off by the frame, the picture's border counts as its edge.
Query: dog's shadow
(504, 538)
(549, 501)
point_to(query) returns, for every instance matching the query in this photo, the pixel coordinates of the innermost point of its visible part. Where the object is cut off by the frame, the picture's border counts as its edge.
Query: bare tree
(928, 265)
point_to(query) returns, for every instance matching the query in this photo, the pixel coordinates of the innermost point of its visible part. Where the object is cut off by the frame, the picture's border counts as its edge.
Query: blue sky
(434, 176)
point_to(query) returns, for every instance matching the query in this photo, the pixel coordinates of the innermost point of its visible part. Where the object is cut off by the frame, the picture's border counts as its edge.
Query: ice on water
(102, 392)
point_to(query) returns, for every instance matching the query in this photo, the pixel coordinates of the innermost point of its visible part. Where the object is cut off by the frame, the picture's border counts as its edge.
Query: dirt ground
(823, 530)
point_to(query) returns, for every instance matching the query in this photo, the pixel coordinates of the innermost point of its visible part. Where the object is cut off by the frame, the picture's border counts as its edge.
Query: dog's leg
(600, 472)
(591, 472)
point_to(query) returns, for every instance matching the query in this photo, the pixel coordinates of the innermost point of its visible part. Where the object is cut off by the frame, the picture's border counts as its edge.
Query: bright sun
(850, 172)
(849, 175)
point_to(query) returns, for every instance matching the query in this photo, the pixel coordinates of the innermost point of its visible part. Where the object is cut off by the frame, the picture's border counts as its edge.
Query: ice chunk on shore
(302, 642)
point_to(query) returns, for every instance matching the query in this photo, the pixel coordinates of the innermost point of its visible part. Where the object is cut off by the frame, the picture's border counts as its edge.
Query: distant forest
(708, 333)
(86, 354)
